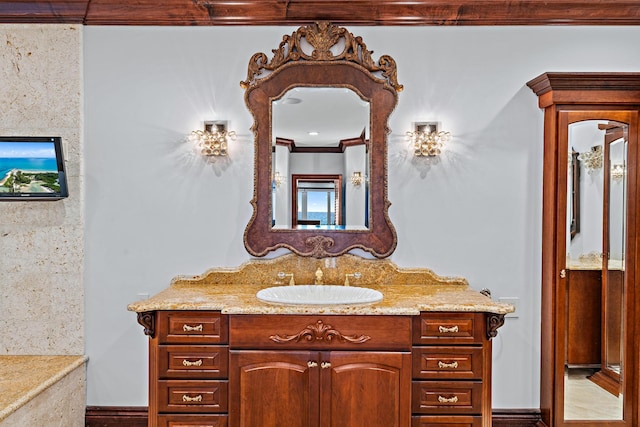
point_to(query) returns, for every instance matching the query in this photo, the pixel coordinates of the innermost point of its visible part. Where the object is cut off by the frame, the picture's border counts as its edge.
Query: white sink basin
(319, 294)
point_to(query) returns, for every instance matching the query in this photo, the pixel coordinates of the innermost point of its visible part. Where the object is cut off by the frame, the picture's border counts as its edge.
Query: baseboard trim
(517, 418)
(116, 416)
(137, 416)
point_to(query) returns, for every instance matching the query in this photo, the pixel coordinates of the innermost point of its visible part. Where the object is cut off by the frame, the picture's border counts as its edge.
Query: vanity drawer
(449, 328)
(320, 332)
(194, 361)
(192, 327)
(447, 362)
(457, 421)
(192, 396)
(446, 397)
(192, 421)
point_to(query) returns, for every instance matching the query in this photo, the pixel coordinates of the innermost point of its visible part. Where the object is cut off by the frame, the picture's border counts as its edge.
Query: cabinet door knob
(312, 364)
(563, 273)
(197, 398)
(325, 365)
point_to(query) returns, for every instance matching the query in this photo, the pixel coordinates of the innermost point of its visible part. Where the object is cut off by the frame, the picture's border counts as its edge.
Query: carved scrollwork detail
(319, 245)
(494, 321)
(320, 332)
(148, 320)
(322, 37)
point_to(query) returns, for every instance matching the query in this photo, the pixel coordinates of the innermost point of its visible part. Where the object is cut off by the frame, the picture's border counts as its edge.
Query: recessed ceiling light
(314, 133)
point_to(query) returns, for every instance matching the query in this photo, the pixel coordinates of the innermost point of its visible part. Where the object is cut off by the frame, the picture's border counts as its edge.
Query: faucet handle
(355, 275)
(282, 275)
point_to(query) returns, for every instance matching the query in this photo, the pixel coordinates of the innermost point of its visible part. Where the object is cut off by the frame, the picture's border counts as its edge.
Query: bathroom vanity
(219, 356)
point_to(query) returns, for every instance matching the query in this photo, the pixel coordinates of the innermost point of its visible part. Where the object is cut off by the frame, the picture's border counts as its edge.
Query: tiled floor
(584, 400)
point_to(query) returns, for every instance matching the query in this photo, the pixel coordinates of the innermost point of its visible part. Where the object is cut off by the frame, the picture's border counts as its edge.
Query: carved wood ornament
(494, 322)
(321, 55)
(148, 320)
(320, 332)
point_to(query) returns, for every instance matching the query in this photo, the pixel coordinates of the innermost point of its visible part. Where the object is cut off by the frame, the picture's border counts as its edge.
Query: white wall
(154, 210)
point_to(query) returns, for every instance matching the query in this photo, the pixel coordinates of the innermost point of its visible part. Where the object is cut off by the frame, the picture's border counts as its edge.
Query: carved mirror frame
(336, 59)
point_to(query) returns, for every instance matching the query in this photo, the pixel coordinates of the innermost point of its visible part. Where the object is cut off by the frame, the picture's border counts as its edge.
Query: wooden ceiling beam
(341, 12)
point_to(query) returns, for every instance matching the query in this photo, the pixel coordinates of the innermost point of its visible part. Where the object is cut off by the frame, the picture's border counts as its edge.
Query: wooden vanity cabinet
(320, 371)
(451, 370)
(214, 370)
(188, 370)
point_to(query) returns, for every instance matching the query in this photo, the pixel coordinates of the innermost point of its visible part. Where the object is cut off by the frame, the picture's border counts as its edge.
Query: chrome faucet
(319, 277)
(355, 275)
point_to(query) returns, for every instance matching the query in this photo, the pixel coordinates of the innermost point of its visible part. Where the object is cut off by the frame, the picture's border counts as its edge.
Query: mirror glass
(595, 270)
(320, 159)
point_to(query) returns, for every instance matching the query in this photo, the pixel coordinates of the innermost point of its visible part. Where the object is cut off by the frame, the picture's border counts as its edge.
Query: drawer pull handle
(443, 365)
(312, 364)
(188, 328)
(444, 329)
(186, 398)
(186, 362)
(325, 365)
(443, 399)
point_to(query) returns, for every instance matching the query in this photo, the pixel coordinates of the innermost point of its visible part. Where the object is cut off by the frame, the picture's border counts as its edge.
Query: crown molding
(339, 12)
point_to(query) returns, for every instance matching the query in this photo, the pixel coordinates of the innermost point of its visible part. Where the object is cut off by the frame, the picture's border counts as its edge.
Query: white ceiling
(335, 113)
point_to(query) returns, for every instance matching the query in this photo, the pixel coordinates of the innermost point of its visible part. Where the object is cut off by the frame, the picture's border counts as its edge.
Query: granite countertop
(401, 299)
(24, 377)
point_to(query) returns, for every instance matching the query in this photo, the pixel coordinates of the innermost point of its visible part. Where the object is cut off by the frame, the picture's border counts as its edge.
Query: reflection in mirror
(320, 131)
(596, 194)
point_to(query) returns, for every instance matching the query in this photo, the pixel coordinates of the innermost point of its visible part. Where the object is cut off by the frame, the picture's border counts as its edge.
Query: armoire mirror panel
(325, 194)
(589, 359)
(595, 267)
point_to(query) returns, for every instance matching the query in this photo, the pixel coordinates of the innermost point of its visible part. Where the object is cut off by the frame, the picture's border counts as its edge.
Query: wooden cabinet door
(273, 389)
(371, 389)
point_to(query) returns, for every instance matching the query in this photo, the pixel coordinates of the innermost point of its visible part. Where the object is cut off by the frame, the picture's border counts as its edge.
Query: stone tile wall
(42, 243)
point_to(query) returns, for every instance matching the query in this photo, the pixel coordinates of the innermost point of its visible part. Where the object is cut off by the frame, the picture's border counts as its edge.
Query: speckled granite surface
(22, 378)
(405, 291)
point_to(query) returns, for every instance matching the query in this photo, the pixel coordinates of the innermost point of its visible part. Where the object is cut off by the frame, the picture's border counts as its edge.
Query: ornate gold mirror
(321, 107)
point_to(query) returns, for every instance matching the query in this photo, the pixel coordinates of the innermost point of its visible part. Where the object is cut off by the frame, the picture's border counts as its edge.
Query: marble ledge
(401, 299)
(22, 378)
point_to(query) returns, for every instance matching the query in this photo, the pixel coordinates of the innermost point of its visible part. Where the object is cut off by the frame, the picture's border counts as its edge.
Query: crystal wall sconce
(357, 179)
(213, 140)
(278, 179)
(592, 159)
(618, 171)
(427, 140)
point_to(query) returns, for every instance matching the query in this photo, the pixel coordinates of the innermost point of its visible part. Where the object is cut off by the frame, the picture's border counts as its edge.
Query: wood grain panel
(448, 328)
(192, 327)
(320, 332)
(192, 396)
(446, 397)
(194, 361)
(128, 416)
(447, 362)
(342, 12)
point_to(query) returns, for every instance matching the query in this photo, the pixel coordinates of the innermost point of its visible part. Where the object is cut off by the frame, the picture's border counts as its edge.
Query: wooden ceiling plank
(53, 11)
(341, 12)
